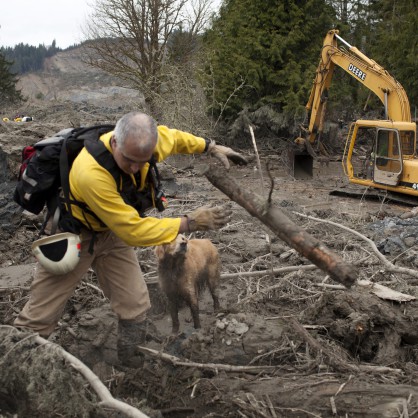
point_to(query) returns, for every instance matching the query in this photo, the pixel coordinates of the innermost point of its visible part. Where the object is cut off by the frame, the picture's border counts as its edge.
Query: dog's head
(178, 246)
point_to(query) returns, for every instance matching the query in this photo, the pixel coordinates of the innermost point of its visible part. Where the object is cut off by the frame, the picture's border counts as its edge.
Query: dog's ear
(159, 251)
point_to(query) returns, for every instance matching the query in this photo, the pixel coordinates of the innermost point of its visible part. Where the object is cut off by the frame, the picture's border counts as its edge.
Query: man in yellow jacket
(111, 228)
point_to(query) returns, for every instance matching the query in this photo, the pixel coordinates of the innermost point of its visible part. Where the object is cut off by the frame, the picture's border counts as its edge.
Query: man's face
(130, 158)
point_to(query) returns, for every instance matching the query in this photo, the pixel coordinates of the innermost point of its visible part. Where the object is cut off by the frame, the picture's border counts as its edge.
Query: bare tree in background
(130, 39)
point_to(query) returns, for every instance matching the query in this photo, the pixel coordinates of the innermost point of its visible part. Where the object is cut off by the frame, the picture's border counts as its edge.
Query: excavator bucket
(300, 159)
(303, 166)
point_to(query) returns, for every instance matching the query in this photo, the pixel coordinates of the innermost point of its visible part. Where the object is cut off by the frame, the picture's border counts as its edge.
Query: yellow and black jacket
(94, 186)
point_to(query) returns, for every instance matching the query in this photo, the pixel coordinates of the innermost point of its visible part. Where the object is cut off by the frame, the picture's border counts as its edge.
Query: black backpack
(44, 176)
(47, 162)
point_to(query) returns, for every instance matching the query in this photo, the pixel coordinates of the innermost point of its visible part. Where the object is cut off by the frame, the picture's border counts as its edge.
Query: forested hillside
(255, 60)
(28, 58)
(266, 52)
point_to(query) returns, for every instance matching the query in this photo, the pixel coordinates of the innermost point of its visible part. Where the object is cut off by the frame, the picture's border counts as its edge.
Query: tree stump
(370, 329)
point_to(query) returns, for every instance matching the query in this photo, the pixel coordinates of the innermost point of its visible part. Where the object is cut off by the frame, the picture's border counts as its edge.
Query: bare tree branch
(388, 265)
(208, 366)
(131, 39)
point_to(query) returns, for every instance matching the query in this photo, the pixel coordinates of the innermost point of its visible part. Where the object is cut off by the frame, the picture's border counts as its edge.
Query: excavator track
(360, 192)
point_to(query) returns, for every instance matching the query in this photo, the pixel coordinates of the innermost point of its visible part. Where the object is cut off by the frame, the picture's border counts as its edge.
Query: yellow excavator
(387, 146)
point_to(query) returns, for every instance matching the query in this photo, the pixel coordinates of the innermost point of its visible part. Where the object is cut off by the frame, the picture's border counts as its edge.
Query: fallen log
(283, 226)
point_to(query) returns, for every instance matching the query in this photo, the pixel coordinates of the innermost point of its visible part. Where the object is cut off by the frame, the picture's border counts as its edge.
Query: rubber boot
(131, 333)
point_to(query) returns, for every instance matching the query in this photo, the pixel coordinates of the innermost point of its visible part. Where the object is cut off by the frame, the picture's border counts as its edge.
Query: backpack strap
(124, 183)
(154, 174)
(90, 132)
(105, 158)
(65, 175)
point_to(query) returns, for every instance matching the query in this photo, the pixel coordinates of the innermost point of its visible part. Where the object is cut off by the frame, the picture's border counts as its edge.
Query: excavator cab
(379, 153)
(388, 158)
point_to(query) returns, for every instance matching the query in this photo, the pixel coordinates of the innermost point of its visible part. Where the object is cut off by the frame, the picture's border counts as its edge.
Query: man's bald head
(133, 142)
(139, 128)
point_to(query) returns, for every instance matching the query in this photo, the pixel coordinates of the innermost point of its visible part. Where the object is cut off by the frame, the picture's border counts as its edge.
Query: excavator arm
(365, 71)
(380, 154)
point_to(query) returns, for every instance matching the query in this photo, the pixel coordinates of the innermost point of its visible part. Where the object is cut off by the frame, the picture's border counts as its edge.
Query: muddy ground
(285, 344)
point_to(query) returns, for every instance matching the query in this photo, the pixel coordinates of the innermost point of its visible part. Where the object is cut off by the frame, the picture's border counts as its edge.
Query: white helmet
(58, 254)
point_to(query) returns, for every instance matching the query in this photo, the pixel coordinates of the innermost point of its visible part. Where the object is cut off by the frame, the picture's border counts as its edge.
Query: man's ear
(113, 142)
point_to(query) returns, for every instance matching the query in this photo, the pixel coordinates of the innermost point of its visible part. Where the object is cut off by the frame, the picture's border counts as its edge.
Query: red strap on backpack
(27, 154)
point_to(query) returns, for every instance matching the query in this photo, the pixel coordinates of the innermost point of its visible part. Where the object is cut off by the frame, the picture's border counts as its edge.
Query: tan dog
(185, 267)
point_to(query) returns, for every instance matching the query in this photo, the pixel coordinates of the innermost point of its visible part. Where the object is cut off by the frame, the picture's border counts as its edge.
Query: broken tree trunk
(285, 228)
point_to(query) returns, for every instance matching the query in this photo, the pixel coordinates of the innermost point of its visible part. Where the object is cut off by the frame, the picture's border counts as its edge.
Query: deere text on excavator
(391, 163)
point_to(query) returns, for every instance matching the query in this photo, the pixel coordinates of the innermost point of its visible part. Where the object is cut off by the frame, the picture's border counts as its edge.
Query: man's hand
(206, 218)
(224, 154)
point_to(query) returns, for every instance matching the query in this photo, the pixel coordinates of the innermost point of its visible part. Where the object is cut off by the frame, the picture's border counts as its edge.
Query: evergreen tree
(265, 52)
(396, 43)
(8, 80)
(26, 58)
(182, 47)
(385, 30)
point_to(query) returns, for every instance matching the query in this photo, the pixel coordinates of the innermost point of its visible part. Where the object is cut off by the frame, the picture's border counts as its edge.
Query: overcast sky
(37, 22)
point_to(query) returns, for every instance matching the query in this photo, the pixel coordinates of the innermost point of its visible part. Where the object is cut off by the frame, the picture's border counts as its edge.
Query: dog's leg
(195, 314)
(174, 313)
(193, 303)
(213, 284)
(214, 291)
